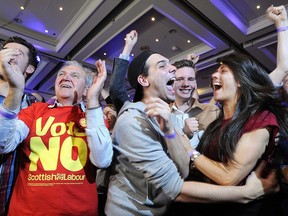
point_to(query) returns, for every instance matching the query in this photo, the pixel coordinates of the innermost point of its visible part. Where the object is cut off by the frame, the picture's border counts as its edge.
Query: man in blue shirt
(23, 56)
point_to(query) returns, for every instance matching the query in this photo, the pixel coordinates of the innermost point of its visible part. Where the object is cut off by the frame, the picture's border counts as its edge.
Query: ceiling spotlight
(18, 20)
(174, 48)
(172, 31)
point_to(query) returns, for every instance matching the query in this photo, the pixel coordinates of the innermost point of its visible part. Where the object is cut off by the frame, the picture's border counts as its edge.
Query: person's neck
(184, 105)
(66, 102)
(228, 110)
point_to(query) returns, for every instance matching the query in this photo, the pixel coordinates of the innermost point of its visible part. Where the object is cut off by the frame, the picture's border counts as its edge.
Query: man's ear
(85, 92)
(30, 69)
(143, 81)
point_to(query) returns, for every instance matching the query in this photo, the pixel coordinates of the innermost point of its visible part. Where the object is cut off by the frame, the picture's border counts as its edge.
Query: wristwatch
(194, 154)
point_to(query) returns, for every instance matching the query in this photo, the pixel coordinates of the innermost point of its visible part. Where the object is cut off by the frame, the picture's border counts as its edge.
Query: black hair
(256, 94)
(32, 54)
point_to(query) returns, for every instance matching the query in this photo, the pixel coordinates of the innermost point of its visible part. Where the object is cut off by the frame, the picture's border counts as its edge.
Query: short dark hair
(32, 54)
(185, 63)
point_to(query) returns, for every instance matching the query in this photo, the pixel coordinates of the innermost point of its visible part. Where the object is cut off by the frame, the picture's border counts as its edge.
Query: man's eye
(75, 75)
(191, 79)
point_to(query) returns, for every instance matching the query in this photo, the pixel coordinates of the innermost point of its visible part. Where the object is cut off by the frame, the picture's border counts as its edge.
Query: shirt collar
(175, 110)
(195, 104)
(57, 104)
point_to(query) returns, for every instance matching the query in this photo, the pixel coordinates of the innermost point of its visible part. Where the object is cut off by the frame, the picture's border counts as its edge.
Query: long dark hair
(256, 93)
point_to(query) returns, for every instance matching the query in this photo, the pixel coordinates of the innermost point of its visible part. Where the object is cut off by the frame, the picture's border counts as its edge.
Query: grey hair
(89, 74)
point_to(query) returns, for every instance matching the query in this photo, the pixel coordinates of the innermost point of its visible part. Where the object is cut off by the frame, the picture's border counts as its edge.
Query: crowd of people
(163, 153)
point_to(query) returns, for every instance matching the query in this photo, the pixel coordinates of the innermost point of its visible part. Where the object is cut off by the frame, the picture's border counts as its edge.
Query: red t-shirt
(56, 176)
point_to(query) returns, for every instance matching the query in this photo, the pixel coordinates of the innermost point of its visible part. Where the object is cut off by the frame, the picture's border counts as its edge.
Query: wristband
(170, 136)
(125, 57)
(93, 108)
(284, 28)
(7, 115)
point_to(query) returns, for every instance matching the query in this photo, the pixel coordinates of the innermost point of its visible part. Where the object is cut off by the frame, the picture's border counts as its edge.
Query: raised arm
(10, 107)
(12, 74)
(118, 91)
(174, 139)
(279, 16)
(98, 136)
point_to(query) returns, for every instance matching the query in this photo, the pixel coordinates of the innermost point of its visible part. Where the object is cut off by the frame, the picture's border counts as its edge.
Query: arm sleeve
(12, 133)
(99, 139)
(118, 92)
(145, 152)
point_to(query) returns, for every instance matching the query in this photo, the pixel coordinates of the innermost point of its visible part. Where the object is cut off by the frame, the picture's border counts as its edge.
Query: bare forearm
(282, 47)
(13, 99)
(208, 193)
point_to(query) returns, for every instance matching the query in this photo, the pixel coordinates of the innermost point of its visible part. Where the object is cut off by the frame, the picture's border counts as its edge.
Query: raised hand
(191, 126)
(130, 41)
(9, 68)
(193, 57)
(98, 83)
(276, 14)
(161, 110)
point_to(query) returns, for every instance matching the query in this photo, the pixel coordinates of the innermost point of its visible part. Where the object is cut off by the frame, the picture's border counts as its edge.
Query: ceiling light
(38, 58)
(258, 7)
(172, 31)
(188, 41)
(157, 40)
(153, 19)
(18, 20)
(61, 8)
(174, 48)
(22, 7)
(46, 31)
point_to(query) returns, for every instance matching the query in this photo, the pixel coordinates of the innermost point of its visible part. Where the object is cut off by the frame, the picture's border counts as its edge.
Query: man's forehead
(16, 46)
(73, 68)
(185, 71)
(155, 59)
